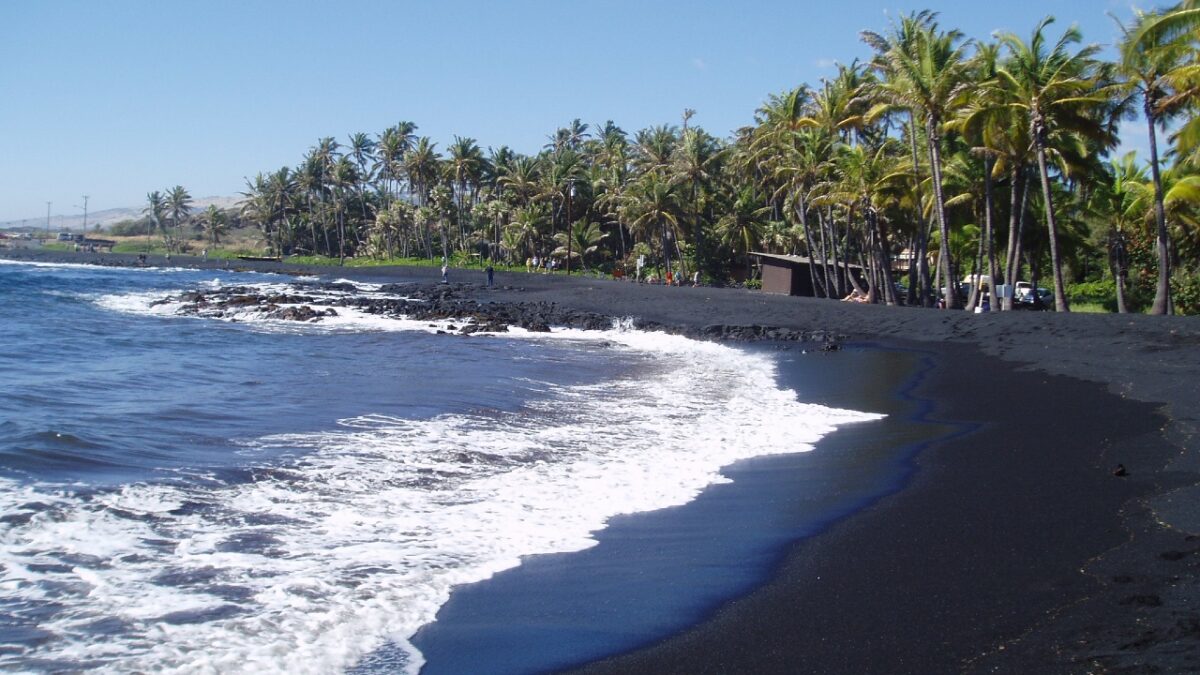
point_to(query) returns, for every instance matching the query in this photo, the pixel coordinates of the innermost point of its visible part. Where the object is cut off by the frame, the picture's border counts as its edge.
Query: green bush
(1102, 292)
(1185, 291)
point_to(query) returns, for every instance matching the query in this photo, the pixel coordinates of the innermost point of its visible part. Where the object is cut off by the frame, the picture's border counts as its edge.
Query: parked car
(1027, 297)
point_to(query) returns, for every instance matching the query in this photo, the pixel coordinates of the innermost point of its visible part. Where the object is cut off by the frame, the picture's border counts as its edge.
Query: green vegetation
(939, 158)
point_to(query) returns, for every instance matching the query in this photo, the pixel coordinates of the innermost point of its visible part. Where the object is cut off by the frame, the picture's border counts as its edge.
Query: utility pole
(48, 219)
(85, 200)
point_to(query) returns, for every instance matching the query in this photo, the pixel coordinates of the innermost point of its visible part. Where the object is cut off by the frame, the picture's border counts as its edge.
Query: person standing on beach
(445, 272)
(491, 273)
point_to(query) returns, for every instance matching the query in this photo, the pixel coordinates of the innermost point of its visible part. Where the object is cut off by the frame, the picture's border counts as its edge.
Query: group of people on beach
(537, 263)
(673, 279)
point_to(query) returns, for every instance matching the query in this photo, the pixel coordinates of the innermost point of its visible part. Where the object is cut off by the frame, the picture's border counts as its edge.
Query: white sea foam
(316, 562)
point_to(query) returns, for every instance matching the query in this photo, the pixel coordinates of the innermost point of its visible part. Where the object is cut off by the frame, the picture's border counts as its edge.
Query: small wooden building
(791, 275)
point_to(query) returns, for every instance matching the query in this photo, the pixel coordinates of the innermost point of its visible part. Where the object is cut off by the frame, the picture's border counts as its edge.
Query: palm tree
(570, 137)
(525, 227)
(864, 177)
(654, 205)
(584, 239)
(281, 187)
(1059, 93)
(519, 179)
(466, 168)
(1177, 30)
(1112, 201)
(214, 224)
(925, 75)
(742, 225)
(342, 177)
(421, 166)
(1148, 69)
(560, 178)
(697, 161)
(179, 205)
(156, 209)
(256, 207)
(362, 150)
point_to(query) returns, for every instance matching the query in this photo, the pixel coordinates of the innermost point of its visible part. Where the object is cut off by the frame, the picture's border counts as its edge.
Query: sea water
(248, 494)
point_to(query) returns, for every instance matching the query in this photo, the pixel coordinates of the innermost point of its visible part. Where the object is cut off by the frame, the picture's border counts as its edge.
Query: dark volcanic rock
(461, 305)
(301, 313)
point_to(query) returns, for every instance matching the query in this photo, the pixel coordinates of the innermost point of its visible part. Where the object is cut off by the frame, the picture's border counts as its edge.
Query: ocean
(248, 494)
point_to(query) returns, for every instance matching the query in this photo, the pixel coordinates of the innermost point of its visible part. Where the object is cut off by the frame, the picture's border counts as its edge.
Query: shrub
(1102, 292)
(1185, 291)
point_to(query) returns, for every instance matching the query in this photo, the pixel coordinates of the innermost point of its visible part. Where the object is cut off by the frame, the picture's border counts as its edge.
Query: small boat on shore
(256, 258)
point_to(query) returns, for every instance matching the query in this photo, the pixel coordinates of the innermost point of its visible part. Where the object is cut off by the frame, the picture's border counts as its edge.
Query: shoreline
(1013, 548)
(658, 573)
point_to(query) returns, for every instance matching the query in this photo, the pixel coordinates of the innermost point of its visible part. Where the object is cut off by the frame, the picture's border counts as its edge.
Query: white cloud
(699, 63)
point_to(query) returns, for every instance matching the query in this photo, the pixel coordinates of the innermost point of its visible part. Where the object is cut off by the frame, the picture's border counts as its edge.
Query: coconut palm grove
(942, 157)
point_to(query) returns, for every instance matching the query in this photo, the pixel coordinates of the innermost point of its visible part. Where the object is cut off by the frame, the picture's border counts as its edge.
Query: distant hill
(107, 217)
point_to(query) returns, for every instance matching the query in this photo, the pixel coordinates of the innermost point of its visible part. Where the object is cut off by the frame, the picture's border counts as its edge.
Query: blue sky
(114, 99)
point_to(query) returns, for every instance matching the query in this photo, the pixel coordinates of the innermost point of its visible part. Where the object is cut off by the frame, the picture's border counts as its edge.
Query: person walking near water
(445, 272)
(491, 271)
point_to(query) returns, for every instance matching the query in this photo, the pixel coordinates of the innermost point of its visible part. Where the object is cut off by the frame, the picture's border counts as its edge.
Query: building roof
(797, 259)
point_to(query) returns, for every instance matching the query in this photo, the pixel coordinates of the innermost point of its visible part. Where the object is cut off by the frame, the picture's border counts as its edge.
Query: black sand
(1014, 549)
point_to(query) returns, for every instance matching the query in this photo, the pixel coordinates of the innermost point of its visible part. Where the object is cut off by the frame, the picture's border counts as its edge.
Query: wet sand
(1013, 549)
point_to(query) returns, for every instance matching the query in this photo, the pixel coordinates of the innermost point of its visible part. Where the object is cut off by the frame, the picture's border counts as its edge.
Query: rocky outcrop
(459, 304)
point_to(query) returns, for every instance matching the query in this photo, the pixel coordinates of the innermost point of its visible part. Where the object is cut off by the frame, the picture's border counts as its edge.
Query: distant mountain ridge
(107, 217)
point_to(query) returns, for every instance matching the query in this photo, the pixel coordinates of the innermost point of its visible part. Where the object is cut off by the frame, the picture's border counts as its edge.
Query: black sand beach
(1014, 548)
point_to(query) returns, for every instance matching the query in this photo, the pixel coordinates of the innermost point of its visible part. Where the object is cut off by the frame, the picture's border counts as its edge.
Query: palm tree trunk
(829, 289)
(341, 223)
(976, 264)
(1060, 294)
(989, 220)
(920, 252)
(939, 205)
(812, 272)
(1012, 256)
(838, 276)
(1162, 291)
(929, 289)
(845, 265)
(938, 281)
(1116, 263)
(885, 267)
(870, 264)
(913, 283)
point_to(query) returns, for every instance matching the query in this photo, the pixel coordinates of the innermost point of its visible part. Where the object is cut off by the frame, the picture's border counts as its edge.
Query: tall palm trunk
(341, 225)
(884, 265)
(939, 197)
(1162, 292)
(1060, 294)
(1012, 258)
(838, 276)
(976, 265)
(920, 252)
(812, 270)
(1117, 264)
(829, 288)
(989, 219)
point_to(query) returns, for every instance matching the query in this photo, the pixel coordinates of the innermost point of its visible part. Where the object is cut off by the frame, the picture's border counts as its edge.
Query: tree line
(938, 159)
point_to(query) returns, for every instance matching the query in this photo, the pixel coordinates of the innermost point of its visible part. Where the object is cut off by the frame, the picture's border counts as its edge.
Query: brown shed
(790, 274)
